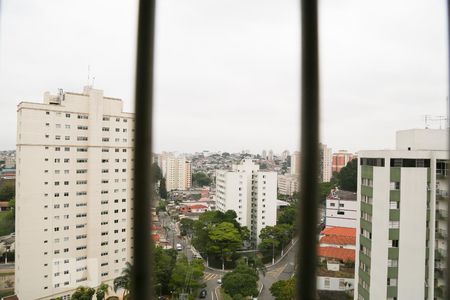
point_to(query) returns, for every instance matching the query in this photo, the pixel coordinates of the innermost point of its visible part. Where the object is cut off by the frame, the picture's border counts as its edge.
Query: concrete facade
(176, 170)
(73, 193)
(251, 193)
(402, 198)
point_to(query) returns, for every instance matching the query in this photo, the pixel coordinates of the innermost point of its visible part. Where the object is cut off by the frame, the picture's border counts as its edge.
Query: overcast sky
(227, 71)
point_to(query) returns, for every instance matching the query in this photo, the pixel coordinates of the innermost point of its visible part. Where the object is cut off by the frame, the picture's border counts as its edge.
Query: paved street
(281, 270)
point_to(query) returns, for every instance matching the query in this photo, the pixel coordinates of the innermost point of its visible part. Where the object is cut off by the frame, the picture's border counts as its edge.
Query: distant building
(340, 160)
(295, 163)
(341, 209)
(251, 193)
(284, 155)
(325, 157)
(8, 174)
(176, 170)
(288, 184)
(264, 154)
(270, 155)
(402, 218)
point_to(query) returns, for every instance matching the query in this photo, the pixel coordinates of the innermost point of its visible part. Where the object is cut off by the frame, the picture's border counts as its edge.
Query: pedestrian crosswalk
(209, 276)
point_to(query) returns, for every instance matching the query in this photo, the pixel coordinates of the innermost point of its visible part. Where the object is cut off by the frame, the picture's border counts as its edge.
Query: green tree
(288, 215)
(164, 262)
(162, 188)
(347, 177)
(156, 171)
(225, 239)
(186, 276)
(124, 281)
(325, 189)
(201, 179)
(186, 226)
(283, 289)
(7, 190)
(241, 281)
(83, 293)
(102, 291)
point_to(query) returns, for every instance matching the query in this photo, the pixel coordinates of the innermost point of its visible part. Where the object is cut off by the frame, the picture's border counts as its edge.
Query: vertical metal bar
(141, 283)
(446, 274)
(307, 210)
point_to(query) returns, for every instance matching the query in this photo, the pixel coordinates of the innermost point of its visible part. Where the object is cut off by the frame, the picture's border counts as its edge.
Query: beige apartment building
(177, 171)
(74, 188)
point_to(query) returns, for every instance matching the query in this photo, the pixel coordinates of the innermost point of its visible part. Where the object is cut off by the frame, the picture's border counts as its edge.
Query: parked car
(219, 281)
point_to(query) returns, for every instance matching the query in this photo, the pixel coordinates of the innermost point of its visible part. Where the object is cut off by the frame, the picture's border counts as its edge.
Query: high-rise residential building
(176, 170)
(284, 155)
(402, 223)
(264, 154)
(251, 193)
(73, 193)
(270, 155)
(288, 184)
(340, 160)
(295, 163)
(326, 157)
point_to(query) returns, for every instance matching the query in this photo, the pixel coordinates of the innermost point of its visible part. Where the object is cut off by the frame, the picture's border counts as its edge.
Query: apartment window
(66, 160)
(67, 138)
(105, 139)
(82, 138)
(67, 126)
(105, 129)
(81, 171)
(47, 112)
(394, 205)
(66, 149)
(81, 193)
(82, 127)
(105, 118)
(392, 263)
(392, 282)
(83, 117)
(57, 137)
(394, 224)
(82, 149)
(82, 160)
(67, 115)
(57, 149)
(395, 186)
(393, 243)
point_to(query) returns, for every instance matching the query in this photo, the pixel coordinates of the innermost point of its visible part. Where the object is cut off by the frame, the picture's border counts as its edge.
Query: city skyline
(227, 79)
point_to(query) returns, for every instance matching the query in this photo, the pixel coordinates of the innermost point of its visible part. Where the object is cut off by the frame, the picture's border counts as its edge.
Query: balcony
(442, 195)
(441, 234)
(441, 214)
(439, 254)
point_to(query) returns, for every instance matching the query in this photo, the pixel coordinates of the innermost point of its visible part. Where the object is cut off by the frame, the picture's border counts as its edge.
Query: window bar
(141, 283)
(308, 208)
(446, 274)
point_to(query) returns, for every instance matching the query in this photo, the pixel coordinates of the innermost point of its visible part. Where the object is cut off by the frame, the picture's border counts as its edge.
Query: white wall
(413, 210)
(380, 234)
(334, 283)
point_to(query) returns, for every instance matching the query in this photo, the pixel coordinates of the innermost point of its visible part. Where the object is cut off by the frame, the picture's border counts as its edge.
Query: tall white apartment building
(402, 208)
(73, 193)
(176, 170)
(251, 193)
(326, 161)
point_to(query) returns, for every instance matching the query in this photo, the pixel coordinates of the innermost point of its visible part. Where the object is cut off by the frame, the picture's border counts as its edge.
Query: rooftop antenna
(430, 118)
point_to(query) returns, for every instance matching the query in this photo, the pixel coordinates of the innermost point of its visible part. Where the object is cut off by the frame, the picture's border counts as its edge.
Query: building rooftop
(338, 240)
(342, 195)
(342, 231)
(337, 253)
